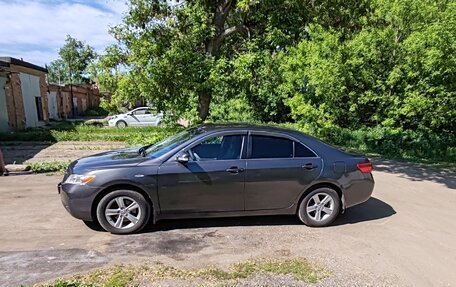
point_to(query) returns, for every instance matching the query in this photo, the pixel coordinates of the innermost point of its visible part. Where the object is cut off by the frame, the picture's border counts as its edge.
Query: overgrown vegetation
(397, 143)
(120, 276)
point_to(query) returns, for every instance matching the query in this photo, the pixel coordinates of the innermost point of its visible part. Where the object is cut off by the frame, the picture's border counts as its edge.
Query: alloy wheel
(123, 212)
(320, 206)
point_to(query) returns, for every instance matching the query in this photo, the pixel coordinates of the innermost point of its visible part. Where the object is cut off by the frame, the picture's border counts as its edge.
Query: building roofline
(14, 61)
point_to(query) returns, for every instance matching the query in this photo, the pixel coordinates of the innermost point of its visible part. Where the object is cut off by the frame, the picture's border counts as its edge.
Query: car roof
(315, 144)
(210, 127)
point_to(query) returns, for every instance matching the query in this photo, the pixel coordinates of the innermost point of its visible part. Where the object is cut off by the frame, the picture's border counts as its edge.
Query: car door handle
(234, 169)
(310, 166)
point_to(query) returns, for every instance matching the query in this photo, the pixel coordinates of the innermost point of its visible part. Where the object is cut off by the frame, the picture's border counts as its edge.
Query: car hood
(115, 158)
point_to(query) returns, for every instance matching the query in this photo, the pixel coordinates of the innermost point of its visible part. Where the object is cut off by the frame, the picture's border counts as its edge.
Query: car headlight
(113, 117)
(80, 179)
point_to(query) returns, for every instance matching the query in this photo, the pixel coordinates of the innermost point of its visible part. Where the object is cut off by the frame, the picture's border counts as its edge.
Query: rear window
(302, 151)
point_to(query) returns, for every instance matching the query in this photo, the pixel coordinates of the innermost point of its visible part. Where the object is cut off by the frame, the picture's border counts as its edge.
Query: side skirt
(286, 211)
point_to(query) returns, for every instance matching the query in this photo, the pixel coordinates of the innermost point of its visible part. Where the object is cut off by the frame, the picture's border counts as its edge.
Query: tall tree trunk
(222, 10)
(204, 101)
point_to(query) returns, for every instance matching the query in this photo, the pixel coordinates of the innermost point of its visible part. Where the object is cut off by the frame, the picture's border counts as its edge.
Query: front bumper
(78, 199)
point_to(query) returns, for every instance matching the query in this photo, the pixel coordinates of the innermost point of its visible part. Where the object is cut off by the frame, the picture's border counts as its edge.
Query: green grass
(124, 276)
(48, 167)
(66, 131)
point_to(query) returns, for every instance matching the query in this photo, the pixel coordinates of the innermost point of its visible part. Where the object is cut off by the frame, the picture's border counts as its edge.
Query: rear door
(279, 168)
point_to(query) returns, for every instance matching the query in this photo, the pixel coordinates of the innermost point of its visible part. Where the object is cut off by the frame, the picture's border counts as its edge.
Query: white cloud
(35, 30)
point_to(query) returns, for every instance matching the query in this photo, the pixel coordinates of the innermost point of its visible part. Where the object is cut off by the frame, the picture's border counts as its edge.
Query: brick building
(23, 95)
(27, 101)
(85, 96)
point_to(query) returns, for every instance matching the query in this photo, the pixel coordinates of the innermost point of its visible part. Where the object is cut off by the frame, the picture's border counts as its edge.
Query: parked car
(143, 116)
(217, 170)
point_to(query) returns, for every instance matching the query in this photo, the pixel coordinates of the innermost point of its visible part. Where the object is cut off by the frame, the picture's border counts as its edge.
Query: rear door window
(271, 147)
(277, 147)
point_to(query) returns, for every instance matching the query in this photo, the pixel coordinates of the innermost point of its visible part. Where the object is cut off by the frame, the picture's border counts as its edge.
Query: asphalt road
(405, 235)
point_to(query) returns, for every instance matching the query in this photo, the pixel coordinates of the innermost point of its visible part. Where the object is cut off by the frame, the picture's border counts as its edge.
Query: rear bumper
(78, 199)
(359, 190)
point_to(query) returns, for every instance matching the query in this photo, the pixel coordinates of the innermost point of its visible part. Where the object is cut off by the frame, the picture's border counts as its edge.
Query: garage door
(3, 110)
(30, 90)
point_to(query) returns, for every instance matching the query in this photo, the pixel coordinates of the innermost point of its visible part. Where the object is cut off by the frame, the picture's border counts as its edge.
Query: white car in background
(143, 116)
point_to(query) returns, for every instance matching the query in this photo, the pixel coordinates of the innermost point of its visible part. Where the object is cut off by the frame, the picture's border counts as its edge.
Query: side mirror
(183, 158)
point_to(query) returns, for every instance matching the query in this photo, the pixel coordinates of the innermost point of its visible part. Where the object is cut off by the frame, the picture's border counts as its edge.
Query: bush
(395, 143)
(95, 112)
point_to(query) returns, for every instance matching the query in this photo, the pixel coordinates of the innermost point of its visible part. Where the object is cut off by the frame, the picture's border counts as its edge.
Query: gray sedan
(217, 170)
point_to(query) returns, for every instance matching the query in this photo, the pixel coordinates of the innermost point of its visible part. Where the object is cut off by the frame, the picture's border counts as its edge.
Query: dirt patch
(20, 152)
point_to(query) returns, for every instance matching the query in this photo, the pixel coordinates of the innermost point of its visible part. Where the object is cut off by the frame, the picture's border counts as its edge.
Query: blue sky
(35, 29)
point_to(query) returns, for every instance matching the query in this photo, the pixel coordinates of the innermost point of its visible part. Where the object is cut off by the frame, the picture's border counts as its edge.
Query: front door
(139, 117)
(212, 181)
(278, 170)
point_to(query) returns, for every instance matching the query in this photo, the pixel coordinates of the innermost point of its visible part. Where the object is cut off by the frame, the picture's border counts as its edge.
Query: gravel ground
(403, 236)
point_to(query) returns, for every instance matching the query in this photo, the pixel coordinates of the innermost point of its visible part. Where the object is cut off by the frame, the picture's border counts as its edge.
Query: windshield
(168, 144)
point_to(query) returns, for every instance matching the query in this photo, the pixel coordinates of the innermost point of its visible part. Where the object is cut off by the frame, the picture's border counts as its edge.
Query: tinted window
(302, 151)
(140, 112)
(271, 147)
(218, 148)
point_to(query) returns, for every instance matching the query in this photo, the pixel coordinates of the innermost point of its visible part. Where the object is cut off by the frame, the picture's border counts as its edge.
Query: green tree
(183, 55)
(397, 71)
(72, 65)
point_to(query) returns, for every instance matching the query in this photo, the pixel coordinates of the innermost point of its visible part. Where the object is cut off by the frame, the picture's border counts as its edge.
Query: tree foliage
(72, 65)
(322, 64)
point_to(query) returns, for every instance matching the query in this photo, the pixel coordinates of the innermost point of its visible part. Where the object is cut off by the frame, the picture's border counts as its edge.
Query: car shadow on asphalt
(373, 209)
(417, 172)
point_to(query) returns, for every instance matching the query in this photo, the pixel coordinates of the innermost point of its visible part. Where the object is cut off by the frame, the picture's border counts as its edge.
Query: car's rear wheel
(123, 212)
(319, 207)
(121, 124)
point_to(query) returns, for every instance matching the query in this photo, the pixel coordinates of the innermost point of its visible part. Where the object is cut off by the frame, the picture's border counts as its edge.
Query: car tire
(121, 124)
(123, 212)
(320, 207)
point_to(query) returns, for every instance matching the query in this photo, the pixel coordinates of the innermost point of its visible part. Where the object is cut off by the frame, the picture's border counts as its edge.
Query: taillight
(365, 167)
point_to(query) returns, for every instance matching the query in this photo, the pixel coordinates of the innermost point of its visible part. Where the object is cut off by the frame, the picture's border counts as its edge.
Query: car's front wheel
(319, 207)
(123, 212)
(121, 124)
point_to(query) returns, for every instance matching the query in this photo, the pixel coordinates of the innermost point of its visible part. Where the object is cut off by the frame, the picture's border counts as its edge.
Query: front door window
(218, 148)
